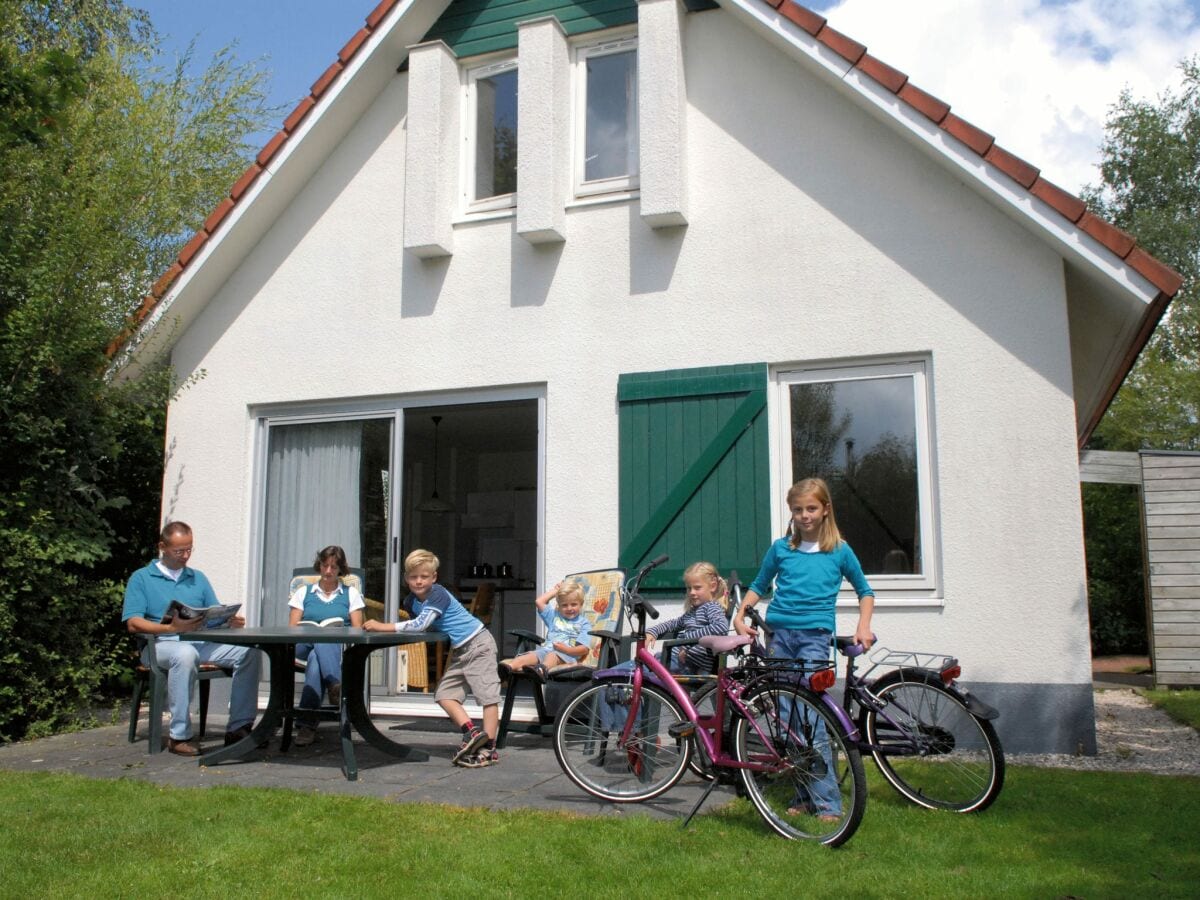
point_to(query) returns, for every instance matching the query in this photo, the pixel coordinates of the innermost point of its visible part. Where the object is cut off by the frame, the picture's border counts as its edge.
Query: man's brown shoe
(232, 737)
(182, 748)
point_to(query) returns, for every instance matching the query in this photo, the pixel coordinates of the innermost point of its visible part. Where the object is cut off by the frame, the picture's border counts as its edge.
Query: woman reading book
(327, 602)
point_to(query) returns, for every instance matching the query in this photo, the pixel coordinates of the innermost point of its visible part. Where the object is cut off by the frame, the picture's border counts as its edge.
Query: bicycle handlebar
(638, 603)
(755, 619)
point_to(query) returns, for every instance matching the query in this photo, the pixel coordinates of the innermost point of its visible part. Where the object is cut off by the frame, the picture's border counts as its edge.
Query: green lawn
(1052, 833)
(1182, 706)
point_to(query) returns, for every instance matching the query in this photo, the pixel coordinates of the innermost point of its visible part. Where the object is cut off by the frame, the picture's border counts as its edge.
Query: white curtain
(313, 490)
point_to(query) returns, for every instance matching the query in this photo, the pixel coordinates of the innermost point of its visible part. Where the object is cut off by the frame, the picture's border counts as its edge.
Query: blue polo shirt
(149, 593)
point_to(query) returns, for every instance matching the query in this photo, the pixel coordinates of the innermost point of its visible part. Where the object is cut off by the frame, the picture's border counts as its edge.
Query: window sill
(882, 599)
(486, 215)
(604, 199)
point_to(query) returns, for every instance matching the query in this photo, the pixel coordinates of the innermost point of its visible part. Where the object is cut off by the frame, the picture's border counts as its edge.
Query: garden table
(279, 645)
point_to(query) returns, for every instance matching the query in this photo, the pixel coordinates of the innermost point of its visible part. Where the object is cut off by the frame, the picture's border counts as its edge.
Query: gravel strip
(1131, 736)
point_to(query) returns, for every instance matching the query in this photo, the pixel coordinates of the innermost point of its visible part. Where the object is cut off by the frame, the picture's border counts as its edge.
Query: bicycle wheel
(811, 785)
(587, 742)
(929, 747)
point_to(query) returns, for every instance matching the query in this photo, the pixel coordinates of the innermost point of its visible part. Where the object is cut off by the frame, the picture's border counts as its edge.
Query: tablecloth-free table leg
(355, 712)
(279, 702)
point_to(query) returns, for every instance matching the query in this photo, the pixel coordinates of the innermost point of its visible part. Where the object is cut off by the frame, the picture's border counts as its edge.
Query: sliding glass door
(326, 483)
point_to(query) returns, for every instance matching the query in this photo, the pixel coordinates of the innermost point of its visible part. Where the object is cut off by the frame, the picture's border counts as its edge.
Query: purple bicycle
(931, 738)
(628, 735)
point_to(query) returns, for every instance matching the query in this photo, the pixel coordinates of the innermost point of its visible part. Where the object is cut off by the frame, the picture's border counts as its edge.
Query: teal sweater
(807, 584)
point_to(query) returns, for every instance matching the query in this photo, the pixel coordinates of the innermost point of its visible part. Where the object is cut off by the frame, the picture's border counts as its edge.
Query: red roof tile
(247, 179)
(347, 52)
(977, 139)
(892, 79)
(327, 78)
(164, 281)
(266, 153)
(1013, 166)
(192, 247)
(851, 51)
(298, 114)
(926, 104)
(215, 217)
(1109, 235)
(379, 12)
(1068, 205)
(1161, 276)
(801, 15)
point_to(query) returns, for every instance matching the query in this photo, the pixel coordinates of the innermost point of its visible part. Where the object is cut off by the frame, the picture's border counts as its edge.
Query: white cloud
(1039, 76)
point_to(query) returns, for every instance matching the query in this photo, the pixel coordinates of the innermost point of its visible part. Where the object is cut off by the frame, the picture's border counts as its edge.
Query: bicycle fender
(978, 708)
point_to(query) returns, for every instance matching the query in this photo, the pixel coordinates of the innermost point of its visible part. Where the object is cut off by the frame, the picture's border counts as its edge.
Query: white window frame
(467, 170)
(926, 585)
(581, 53)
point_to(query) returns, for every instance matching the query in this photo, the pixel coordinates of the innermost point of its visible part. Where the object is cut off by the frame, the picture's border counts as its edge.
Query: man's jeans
(180, 659)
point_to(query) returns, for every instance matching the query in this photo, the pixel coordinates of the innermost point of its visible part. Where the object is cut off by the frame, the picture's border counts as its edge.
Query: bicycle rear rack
(884, 658)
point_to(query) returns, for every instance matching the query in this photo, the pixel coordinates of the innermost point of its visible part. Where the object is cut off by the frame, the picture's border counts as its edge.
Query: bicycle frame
(708, 731)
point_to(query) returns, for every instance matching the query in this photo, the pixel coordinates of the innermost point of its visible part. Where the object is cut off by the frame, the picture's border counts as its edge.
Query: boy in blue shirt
(472, 663)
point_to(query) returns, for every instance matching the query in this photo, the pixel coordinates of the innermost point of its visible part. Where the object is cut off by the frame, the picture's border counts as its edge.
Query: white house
(703, 251)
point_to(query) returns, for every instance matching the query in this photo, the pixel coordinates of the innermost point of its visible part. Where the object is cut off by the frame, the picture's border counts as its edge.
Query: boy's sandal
(470, 745)
(539, 672)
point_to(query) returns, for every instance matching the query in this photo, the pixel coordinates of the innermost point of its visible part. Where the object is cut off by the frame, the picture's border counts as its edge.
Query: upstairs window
(606, 157)
(490, 180)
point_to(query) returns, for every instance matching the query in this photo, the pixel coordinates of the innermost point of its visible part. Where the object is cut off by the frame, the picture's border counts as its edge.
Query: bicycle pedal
(681, 729)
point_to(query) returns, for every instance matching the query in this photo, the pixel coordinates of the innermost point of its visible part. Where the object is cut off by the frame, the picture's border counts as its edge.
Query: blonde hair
(708, 570)
(829, 538)
(421, 559)
(569, 590)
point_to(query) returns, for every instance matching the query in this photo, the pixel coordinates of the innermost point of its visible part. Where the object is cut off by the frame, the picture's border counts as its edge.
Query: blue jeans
(822, 793)
(180, 660)
(324, 670)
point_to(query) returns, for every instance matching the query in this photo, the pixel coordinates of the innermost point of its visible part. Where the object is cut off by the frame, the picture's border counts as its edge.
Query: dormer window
(490, 180)
(606, 156)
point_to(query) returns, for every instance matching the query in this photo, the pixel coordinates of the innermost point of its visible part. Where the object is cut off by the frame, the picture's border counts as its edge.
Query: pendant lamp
(435, 504)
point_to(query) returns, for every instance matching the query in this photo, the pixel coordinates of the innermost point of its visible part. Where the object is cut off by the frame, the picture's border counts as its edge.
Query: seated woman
(326, 602)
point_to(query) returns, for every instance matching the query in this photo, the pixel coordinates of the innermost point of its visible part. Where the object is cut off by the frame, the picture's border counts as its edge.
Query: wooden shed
(1170, 491)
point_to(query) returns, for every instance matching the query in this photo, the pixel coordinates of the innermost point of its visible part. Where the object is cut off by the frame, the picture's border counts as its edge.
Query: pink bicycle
(629, 735)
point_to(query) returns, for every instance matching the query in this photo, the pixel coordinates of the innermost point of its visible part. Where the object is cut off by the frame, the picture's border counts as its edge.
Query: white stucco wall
(813, 235)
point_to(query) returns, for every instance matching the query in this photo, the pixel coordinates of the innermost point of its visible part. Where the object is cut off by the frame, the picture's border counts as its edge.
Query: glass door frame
(393, 407)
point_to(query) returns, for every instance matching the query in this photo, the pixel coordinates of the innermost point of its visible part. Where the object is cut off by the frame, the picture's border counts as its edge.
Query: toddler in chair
(567, 632)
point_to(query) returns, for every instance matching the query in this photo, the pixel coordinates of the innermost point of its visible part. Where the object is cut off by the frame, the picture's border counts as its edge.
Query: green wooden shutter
(693, 470)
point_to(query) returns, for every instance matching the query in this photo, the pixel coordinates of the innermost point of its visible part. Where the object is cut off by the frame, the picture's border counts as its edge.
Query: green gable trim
(472, 27)
(694, 480)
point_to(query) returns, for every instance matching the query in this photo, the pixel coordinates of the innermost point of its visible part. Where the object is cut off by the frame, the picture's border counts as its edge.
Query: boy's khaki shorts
(472, 667)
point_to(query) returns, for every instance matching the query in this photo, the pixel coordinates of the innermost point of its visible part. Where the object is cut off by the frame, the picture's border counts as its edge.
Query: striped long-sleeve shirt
(699, 621)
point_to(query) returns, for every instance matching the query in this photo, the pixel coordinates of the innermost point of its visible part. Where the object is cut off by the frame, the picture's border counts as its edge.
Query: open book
(214, 616)
(325, 623)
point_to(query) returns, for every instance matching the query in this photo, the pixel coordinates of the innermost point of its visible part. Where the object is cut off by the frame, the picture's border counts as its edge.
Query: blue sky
(1038, 74)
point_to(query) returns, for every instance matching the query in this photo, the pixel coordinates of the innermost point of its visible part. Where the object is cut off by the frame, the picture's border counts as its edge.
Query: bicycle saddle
(725, 643)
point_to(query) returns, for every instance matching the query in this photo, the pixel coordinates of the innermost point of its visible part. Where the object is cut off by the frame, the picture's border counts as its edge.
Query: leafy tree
(1151, 188)
(107, 165)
